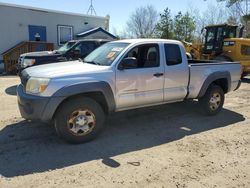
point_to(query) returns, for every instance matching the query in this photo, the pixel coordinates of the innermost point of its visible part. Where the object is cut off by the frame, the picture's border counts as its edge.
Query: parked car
(72, 50)
(119, 76)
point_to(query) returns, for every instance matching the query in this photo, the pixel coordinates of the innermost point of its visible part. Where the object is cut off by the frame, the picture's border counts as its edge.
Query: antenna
(91, 10)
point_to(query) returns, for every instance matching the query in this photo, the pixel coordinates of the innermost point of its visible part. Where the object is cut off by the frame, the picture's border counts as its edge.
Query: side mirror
(128, 63)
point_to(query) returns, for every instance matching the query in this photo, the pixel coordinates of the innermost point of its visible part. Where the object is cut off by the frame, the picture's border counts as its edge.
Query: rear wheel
(79, 120)
(213, 100)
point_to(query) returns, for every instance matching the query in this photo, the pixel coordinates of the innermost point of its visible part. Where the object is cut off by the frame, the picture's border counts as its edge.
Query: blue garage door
(37, 33)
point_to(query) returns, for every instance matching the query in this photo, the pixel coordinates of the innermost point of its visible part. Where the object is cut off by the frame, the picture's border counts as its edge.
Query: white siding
(14, 23)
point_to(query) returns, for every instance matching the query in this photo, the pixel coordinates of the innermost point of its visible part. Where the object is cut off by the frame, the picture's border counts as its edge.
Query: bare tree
(240, 10)
(242, 7)
(211, 16)
(142, 22)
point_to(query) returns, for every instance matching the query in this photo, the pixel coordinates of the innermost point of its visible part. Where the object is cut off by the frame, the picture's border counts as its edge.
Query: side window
(173, 54)
(146, 56)
(86, 47)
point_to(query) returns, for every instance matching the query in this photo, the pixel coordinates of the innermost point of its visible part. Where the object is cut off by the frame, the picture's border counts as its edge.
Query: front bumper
(36, 107)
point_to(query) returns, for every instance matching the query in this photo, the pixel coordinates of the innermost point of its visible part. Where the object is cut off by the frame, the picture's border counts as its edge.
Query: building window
(64, 33)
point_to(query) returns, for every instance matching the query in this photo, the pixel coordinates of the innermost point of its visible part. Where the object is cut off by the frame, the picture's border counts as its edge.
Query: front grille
(20, 61)
(24, 79)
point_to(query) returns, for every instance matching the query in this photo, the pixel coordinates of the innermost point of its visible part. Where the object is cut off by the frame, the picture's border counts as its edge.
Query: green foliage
(165, 27)
(182, 27)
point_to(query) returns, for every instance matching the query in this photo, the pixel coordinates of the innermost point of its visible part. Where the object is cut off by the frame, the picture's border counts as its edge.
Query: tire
(79, 120)
(212, 102)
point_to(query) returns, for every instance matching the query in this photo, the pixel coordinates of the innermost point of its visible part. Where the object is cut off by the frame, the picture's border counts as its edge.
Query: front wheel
(79, 120)
(212, 102)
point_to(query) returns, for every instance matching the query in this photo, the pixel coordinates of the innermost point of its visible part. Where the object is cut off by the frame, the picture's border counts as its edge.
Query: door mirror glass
(128, 63)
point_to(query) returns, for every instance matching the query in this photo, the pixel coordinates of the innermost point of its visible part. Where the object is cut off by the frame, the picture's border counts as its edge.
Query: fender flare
(80, 88)
(213, 77)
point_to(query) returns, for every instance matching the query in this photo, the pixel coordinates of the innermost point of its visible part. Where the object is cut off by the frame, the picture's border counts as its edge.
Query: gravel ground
(167, 146)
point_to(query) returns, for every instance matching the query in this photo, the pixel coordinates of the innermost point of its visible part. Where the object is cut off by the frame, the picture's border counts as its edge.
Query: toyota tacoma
(121, 75)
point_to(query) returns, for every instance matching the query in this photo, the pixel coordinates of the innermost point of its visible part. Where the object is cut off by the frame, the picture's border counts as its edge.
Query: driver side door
(142, 84)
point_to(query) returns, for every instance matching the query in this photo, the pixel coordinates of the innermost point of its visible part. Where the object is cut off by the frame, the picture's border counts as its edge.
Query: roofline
(50, 10)
(97, 29)
(76, 40)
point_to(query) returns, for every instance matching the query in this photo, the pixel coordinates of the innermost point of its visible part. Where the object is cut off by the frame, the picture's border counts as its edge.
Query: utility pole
(91, 10)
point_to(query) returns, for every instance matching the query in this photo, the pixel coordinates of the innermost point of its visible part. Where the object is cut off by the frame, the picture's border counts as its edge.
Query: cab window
(85, 47)
(173, 54)
(146, 56)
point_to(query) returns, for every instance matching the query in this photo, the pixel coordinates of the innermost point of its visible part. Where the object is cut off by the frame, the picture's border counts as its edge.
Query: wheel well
(97, 96)
(223, 83)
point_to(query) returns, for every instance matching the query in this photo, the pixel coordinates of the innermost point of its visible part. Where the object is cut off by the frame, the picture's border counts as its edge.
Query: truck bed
(201, 69)
(207, 61)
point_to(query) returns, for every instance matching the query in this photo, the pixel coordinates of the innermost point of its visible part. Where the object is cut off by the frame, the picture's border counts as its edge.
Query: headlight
(27, 62)
(36, 85)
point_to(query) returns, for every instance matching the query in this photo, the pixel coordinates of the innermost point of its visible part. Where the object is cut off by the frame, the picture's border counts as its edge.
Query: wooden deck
(11, 56)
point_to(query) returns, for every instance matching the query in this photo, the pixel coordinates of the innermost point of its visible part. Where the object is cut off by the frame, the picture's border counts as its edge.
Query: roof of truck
(134, 41)
(95, 40)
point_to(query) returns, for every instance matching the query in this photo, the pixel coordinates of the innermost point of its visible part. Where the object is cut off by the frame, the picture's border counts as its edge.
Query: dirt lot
(168, 146)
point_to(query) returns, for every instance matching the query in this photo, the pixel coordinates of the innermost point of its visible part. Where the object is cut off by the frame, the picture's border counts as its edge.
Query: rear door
(37, 33)
(143, 84)
(176, 73)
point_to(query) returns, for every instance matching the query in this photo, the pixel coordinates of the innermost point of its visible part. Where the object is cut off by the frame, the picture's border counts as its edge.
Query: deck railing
(11, 56)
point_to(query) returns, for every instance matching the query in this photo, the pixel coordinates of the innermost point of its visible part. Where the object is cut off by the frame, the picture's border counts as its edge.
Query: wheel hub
(215, 101)
(81, 122)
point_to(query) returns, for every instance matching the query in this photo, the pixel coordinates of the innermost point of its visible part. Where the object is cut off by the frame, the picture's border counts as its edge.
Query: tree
(184, 27)
(214, 14)
(241, 9)
(242, 6)
(165, 27)
(142, 22)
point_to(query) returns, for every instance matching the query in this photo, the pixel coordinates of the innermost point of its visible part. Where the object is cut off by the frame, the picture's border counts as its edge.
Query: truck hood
(63, 69)
(40, 54)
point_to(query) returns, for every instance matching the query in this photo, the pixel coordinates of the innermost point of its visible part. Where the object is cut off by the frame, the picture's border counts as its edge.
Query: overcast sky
(119, 10)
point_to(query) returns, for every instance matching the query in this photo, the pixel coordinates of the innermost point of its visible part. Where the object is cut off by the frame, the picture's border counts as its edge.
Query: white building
(22, 23)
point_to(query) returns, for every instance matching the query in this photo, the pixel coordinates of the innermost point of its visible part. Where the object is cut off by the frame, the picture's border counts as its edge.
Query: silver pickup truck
(118, 76)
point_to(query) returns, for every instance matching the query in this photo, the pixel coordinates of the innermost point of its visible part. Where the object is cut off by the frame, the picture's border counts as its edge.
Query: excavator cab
(215, 36)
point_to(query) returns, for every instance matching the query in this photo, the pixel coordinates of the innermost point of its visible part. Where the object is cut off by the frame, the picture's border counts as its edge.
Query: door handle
(158, 75)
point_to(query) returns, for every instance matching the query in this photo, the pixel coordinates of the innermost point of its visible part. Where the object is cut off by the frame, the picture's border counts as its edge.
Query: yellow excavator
(223, 43)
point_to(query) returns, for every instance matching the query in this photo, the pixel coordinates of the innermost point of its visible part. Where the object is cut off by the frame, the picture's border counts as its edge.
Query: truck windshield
(66, 47)
(106, 54)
